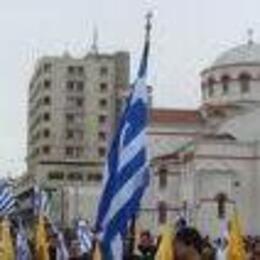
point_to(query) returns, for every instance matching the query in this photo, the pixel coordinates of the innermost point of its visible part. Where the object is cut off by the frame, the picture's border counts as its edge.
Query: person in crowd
(146, 247)
(74, 250)
(188, 244)
(208, 252)
(256, 250)
(52, 246)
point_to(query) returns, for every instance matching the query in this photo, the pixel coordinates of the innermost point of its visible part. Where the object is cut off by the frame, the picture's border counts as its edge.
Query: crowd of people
(187, 244)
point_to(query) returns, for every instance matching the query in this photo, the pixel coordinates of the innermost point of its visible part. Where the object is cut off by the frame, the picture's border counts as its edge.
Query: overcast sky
(187, 36)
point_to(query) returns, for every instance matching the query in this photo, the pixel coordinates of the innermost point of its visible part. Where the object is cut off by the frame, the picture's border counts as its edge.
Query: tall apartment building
(73, 108)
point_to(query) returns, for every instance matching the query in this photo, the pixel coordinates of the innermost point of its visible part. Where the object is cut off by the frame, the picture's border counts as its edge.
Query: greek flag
(85, 236)
(40, 201)
(7, 200)
(61, 250)
(22, 247)
(127, 168)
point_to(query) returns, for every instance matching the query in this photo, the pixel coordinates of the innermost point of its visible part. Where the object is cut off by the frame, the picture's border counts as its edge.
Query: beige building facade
(73, 107)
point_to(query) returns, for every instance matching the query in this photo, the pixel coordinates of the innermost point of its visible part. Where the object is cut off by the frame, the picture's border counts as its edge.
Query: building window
(102, 136)
(211, 83)
(244, 80)
(79, 102)
(103, 71)
(70, 118)
(162, 212)
(94, 177)
(47, 67)
(102, 119)
(80, 70)
(47, 84)
(47, 100)
(162, 178)
(70, 85)
(101, 151)
(71, 70)
(78, 151)
(225, 80)
(56, 175)
(103, 87)
(46, 149)
(103, 103)
(69, 151)
(69, 134)
(46, 117)
(46, 133)
(80, 85)
(75, 176)
(203, 90)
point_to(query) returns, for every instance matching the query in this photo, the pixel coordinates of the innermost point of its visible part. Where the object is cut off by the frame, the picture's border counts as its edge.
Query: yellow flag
(97, 252)
(236, 247)
(41, 240)
(165, 250)
(7, 249)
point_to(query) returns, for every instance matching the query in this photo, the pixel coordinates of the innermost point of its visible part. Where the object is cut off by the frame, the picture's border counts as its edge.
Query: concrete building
(73, 106)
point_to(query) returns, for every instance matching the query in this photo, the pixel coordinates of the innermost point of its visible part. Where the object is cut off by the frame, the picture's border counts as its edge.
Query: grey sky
(187, 35)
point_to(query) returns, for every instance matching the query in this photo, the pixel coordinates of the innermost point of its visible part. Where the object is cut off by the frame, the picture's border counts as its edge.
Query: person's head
(145, 238)
(187, 241)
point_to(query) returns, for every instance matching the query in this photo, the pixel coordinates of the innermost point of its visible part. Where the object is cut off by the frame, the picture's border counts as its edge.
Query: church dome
(243, 54)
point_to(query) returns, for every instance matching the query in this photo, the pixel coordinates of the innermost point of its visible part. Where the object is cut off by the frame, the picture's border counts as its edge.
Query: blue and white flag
(7, 199)
(22, 246)
(41, 203)
(85, 236)
(61, 250)
(127, 168)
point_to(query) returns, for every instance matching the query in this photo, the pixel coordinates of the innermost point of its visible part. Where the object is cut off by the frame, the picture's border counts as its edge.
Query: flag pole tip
(148, 26)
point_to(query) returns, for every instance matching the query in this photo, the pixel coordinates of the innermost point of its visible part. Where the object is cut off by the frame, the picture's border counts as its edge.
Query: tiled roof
(168, 116)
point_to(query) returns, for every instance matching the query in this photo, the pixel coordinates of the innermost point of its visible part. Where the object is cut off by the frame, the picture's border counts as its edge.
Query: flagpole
(132, 229)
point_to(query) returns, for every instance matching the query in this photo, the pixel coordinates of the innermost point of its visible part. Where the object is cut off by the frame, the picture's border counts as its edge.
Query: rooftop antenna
(94, 46)
(250, 35)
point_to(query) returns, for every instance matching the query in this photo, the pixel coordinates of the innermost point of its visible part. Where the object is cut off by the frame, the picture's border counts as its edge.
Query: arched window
(221, 199)
(203, 90)
(162, 212)
(162, 174)
(211, 83)
(244, 79)
(225, 80)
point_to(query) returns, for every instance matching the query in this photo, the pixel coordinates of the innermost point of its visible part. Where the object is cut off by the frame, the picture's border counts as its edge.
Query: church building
(206, 162)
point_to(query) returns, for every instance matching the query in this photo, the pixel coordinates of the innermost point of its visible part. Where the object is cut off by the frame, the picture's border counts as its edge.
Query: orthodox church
(206, 162)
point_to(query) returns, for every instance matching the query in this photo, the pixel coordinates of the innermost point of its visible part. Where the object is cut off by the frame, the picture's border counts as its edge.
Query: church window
(47, 67)
(225, 80)
(211, 83)
(162, 212)
(103, 71)
(162, 178)
(46, 149)
(244, 80)
(46, 133)
(203, 90)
